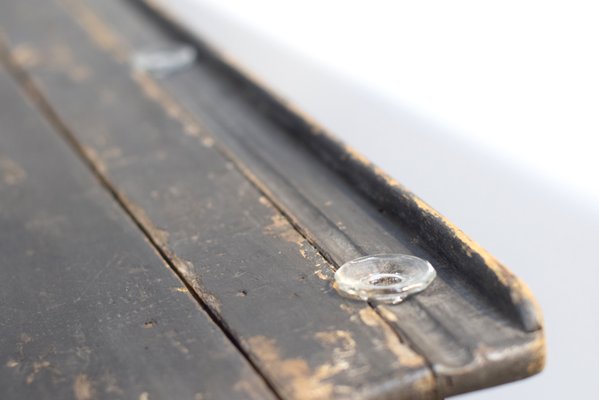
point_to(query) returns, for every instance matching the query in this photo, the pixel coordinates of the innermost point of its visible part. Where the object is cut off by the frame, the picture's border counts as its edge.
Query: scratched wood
(475, 310)
(89, 310)
(262, 280)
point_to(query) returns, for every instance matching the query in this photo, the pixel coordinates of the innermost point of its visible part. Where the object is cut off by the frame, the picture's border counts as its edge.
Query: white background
(489, 111)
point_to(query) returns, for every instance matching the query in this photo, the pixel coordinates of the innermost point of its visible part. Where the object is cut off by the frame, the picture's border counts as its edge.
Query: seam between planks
(26, 84)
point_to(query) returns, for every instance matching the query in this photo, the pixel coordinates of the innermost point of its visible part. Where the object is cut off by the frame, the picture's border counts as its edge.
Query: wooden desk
(175, 236)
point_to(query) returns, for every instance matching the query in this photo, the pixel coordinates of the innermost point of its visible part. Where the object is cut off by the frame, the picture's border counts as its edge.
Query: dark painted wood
(399, 204)
(474, 311)
(263, 280)
(89, 311)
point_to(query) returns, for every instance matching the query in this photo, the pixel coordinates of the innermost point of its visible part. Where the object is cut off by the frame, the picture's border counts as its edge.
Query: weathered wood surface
(262, 280)
(217, 172)
(346, 208)
(88, 309)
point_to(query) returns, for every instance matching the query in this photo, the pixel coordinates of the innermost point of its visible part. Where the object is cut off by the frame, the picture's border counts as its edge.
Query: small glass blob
(162, 62)
(385, 278)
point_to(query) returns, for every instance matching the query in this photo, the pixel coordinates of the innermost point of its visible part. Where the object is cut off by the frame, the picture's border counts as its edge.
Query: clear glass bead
(386, 278)
(162, 62)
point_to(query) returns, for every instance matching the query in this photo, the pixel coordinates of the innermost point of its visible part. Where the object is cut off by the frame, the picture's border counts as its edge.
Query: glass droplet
(386, 278)
(162, 62)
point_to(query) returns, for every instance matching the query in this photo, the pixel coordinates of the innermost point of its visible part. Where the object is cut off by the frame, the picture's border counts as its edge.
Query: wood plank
(475, 310)
(89, 311)
(264, 281)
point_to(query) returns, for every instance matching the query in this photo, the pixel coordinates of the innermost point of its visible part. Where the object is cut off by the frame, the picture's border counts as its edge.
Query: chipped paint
(83, 388)
(521, 295)
(12, 173)
(95, 159)
(325, 275)
(25, 55)
(175, 342)
(344, 345)
(369, 317)
(96, 29)
(387, 314)
(211, 300)
(185, 267)
(280, 227)
(159, 236)
(353, 153)
(406, 356)
(302, 250)
(303, 382)
(207, 141)
(538, 350)
(265, 202)
(36, 368)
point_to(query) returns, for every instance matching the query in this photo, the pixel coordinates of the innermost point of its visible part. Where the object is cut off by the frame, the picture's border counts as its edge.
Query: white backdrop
(488, 111)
